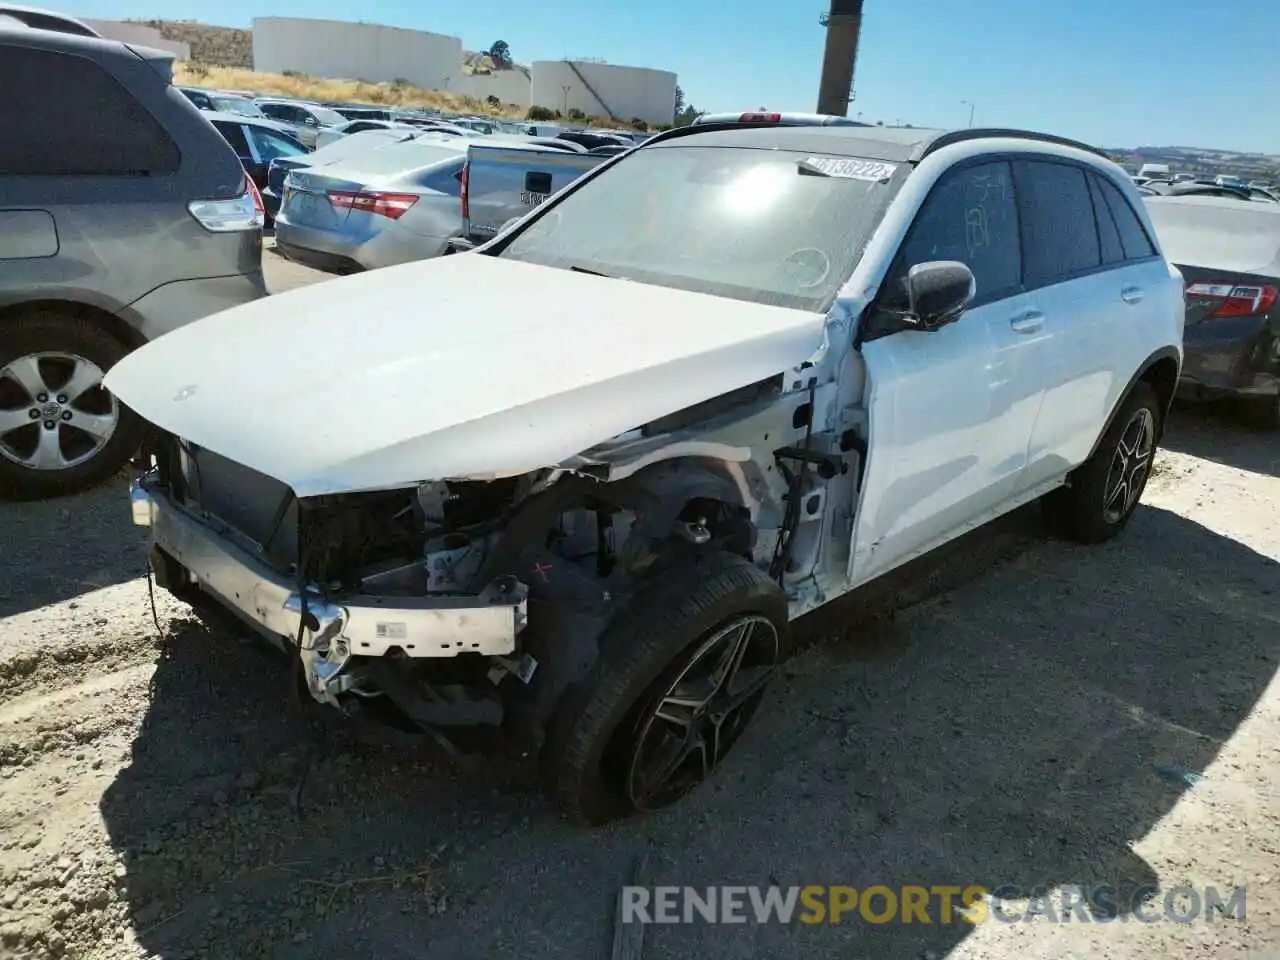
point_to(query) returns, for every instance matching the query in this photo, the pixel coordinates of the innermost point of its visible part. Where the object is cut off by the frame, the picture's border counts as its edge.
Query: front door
(951, 410)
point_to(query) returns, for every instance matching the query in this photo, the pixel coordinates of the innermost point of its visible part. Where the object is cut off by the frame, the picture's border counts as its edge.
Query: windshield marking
(847, 168)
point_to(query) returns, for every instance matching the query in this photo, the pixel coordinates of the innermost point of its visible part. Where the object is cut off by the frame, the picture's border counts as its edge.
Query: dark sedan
(257, 143)
(1229, 256)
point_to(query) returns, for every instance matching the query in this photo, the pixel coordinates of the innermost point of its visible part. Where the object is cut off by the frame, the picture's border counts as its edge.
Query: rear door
(1088, 276)
(950, 409)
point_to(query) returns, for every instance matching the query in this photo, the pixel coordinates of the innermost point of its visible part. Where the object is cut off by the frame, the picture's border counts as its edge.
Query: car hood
(463, 366)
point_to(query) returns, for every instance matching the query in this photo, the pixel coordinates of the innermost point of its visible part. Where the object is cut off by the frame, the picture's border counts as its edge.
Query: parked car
(328, 135)
(258, 143)
(615, 450)
(592, 140)
(361, 113)
(1229, 255)
(348, 146)
(408, 201)
(125, 219)
(216, 100)
(307, 119)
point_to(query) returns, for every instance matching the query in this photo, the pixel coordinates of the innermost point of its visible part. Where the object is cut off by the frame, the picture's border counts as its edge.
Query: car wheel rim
(1129, 466)
(54, 412)
(683, 734)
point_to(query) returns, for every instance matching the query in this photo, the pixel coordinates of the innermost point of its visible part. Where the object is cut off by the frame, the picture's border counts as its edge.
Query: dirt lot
(1015, 711)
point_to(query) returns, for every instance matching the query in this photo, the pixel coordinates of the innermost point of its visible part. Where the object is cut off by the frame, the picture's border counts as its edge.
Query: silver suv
(123, 214)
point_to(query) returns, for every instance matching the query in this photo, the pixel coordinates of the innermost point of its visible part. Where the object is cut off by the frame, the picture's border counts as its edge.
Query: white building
(341, 50)
(603, 89)
(355, 51)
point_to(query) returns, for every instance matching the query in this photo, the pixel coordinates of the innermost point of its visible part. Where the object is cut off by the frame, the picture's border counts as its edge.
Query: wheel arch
(670, 486)
(112, 323)
(1160, 371)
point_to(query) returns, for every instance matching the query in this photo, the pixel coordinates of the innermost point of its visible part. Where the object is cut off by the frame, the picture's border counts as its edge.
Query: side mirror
(938, 292)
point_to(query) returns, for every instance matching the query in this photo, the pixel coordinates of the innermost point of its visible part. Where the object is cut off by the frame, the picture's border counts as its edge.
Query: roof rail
(980, 133)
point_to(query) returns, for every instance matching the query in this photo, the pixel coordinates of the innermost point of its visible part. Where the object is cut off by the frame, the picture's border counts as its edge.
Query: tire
(1261, 412)
(1091, 508)
(43, 352)
(666, 634)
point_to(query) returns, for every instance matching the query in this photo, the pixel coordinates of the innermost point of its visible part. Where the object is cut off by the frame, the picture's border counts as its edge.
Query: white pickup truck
(503, 183)
(570, 488)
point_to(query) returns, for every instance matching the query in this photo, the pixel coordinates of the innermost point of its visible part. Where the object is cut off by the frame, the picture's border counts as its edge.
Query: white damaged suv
(563, 494)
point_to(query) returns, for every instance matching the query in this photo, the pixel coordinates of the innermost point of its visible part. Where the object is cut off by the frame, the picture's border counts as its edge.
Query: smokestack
(844, 25)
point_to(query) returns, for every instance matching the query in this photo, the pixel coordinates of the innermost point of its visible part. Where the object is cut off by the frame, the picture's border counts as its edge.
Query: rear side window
(969, 216)
(272, 146)
(1059, 234)
(1133, 237)
(1108, 233)
(233, 133)
(67, 116)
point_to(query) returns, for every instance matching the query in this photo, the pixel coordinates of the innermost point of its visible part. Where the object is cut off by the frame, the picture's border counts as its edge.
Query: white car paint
(366, 383)
(955, 442)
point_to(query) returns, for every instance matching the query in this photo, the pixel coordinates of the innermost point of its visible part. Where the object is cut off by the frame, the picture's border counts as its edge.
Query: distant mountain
(1202, 161)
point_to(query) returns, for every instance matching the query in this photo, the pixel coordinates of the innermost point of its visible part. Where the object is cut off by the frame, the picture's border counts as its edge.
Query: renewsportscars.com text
(938, 904)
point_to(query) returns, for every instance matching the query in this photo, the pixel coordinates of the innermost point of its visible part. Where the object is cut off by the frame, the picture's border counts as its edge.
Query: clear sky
(1111, 72)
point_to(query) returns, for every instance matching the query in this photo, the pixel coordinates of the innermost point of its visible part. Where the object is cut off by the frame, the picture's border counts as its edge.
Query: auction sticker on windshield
(850, 168)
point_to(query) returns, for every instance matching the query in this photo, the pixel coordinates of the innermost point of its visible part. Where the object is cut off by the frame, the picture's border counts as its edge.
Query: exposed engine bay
(466, 608)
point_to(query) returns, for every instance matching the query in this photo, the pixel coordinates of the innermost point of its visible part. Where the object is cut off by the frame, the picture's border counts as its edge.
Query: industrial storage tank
(341, 50)
(603, 89)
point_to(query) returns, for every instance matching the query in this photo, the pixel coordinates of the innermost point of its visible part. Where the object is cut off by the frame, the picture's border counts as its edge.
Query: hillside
(215, 46)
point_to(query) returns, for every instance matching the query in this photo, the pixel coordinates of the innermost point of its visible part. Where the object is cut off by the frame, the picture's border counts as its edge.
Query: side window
(1133, 237)
(1059, 234)
(233, 133)
(277, 111)
(969, 216)
(101, 129)
(272, 145)
(1108, 234)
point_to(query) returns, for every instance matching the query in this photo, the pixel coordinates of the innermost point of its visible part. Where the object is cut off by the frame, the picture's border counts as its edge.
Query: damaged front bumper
(332, 633)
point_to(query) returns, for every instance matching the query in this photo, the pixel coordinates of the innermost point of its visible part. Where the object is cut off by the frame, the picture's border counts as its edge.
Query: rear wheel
(1103, 492)
(681, 672)
(60, 431)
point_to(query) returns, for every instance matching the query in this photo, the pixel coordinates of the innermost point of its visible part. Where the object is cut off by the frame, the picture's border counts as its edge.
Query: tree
(500, 54)
(679, 107)
(688, 115)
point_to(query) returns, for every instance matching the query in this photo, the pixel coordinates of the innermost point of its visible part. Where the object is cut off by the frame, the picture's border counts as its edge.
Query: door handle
(1132, 294)
(1028, 322)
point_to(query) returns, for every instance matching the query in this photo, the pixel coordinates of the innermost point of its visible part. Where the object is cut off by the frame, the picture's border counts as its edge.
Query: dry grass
(348, 91)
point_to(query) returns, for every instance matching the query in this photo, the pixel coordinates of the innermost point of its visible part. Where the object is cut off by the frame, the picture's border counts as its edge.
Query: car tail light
(760, 118)
(393, 206)
(242, 212)
(463, 177)
(1234, 300)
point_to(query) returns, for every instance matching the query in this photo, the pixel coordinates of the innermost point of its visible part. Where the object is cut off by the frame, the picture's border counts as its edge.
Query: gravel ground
(1006, 712)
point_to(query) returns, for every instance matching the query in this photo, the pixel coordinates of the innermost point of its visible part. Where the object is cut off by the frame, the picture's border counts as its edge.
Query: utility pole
(969, 104)
(564, 90)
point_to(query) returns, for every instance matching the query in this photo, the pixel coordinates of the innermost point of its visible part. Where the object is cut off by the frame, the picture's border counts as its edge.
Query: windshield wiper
(595, 273)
